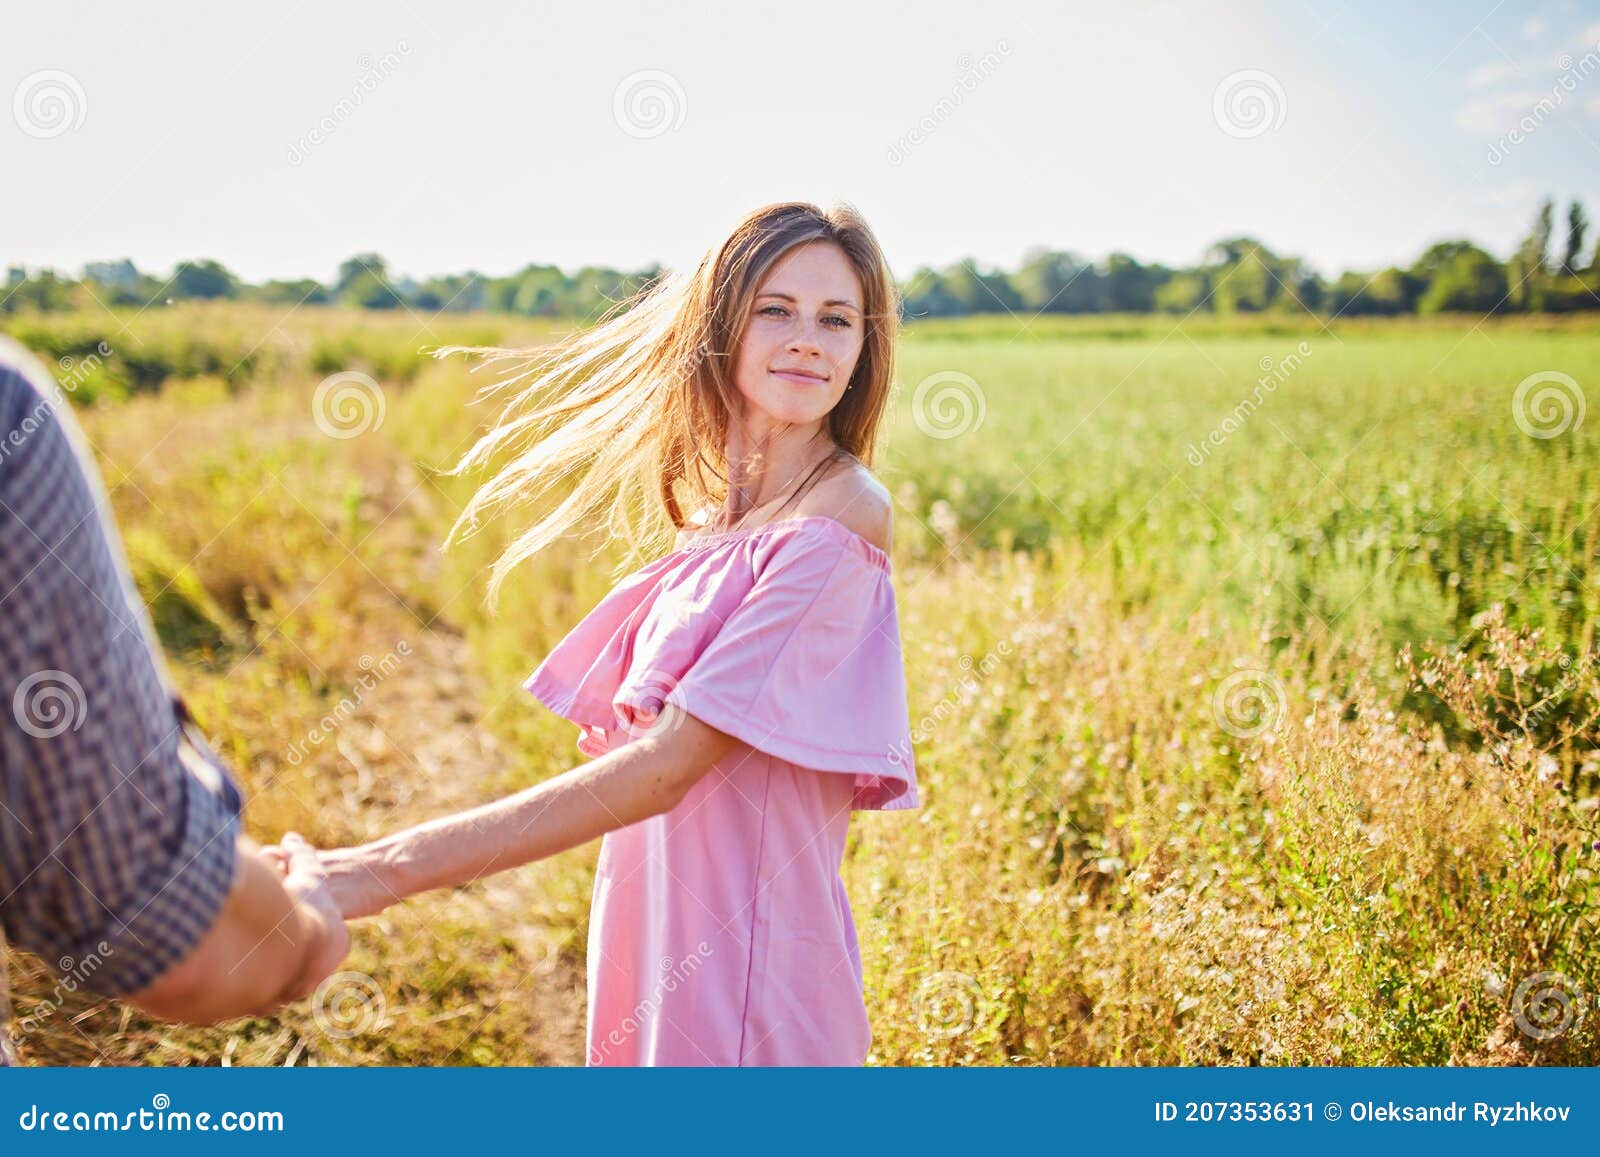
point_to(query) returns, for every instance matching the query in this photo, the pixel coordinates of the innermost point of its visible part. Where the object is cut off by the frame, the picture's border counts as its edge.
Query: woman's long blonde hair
(640, 403)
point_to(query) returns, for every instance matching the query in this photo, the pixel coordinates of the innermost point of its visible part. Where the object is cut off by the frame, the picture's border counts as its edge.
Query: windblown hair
(636, 408)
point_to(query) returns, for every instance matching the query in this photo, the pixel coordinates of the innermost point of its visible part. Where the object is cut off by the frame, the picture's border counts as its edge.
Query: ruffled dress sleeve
(787, 640)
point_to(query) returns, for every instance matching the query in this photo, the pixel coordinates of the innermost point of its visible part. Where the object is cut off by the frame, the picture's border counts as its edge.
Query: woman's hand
(356, 878)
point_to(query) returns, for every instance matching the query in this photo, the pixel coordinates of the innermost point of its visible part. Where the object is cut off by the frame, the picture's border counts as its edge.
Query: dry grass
(1158, 828)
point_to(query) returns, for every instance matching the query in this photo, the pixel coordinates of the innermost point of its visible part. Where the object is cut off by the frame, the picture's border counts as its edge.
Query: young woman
(742, 694)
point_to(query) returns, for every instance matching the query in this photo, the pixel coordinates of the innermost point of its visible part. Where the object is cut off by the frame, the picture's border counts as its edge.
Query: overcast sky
(281, 138)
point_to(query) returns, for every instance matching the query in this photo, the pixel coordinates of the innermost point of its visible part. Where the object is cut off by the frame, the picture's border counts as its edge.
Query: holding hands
(352, 881)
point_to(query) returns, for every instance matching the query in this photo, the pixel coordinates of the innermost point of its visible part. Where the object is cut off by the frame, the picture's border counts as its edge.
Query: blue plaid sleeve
(117, 822)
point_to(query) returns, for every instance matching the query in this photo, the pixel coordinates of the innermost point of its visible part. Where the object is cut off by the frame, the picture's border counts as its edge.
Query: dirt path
(420, 751)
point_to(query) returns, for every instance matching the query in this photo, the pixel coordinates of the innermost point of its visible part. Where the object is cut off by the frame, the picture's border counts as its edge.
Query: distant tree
(304, 291)
(119, 274)
(1056, 282)
(371, 290)
(1129, 287)
(362, 265)
(203, 279)
(1385, 294)
(1577, 226)
(1470, 281)
(1186, 291)
(1544, 225)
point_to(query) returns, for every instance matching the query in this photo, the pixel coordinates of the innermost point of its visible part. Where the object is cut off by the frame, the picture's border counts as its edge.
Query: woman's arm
(644, 778)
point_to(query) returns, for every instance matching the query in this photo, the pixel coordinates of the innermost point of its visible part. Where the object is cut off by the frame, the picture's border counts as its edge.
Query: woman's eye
(844, 322)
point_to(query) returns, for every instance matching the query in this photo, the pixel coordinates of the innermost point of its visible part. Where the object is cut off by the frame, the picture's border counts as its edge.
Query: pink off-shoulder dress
(721, 931)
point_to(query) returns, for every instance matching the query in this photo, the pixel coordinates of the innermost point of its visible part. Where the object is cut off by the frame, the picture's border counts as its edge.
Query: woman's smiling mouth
(799, 377)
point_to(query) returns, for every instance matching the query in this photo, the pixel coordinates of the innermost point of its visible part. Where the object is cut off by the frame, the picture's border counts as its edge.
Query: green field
(1194, 791)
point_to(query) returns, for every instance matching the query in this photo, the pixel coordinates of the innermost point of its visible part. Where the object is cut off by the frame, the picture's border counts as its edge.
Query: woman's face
(803, 336)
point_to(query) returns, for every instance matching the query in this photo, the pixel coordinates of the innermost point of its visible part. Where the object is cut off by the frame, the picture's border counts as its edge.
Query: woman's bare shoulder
(854, 497)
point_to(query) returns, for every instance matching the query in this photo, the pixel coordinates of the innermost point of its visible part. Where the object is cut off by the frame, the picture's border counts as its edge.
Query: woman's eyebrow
(844, 301)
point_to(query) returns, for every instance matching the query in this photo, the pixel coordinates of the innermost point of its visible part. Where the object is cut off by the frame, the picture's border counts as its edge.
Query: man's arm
(120, 853)
(273, 942)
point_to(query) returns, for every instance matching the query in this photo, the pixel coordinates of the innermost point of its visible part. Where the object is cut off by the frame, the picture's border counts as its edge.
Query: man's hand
(355, 880)
(305, 879)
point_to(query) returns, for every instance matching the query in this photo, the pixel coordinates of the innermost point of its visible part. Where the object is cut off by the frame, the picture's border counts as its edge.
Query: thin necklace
(813, 469)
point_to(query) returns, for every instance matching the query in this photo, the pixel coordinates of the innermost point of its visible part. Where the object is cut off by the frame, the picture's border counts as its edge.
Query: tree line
(1545, 274)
